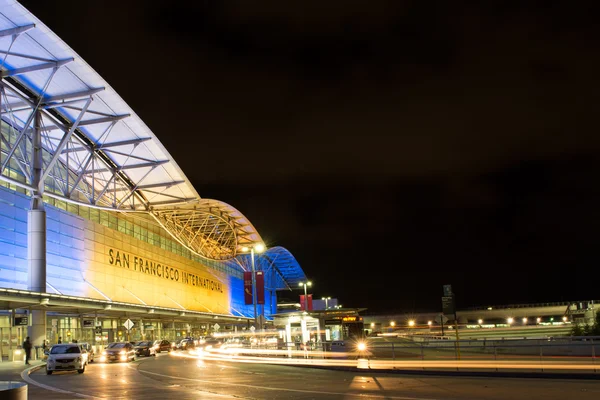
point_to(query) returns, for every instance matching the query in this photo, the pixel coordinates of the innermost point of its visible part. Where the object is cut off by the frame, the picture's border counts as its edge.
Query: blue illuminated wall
(64, 246)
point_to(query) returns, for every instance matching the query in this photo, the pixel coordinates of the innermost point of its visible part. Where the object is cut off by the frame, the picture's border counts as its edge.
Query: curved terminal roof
(209, 227)
(96, 151)
(288, 272)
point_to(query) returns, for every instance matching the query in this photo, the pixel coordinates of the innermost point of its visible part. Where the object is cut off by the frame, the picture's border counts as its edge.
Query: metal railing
(564, 355)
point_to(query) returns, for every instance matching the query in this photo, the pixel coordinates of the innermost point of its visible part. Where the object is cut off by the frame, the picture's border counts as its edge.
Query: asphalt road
(170, 377)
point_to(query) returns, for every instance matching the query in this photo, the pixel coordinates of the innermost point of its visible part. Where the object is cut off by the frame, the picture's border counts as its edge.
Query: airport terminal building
(99, 225)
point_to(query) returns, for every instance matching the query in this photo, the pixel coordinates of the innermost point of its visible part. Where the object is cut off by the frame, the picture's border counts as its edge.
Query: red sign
(260, 287)
(248, 287)
(303, 303)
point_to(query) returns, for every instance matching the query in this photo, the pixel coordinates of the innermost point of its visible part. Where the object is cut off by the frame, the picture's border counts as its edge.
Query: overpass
(554, 313)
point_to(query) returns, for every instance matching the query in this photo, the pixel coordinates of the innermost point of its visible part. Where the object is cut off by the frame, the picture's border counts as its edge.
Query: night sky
(392, 147)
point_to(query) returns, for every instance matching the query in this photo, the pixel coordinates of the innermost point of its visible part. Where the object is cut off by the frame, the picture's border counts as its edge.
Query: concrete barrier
(13, 390)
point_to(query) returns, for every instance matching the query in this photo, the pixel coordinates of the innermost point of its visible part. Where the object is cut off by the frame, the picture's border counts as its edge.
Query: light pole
(257, 248)
(326, 299)
(305, 284)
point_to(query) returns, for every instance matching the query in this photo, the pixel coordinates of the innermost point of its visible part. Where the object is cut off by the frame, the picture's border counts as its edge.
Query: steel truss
(97, 168)
(209, 227)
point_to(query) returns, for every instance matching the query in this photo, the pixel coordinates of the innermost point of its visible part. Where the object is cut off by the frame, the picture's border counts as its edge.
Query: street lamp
(305, 284)
(510, 320)
(392, 324)
(257, 248)
(411, 323)
(326, 299)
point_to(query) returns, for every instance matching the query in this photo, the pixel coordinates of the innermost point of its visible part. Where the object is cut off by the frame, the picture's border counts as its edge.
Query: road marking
(364, 395)
(26, 378)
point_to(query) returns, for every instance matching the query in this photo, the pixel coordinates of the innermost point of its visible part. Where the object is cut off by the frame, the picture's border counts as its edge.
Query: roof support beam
(74, 95)
(103, 120)
(124, 143)
(38, 67)
(48, 101)
(63, 143)
(81, 173)
(132, 191)
(27, 56)
(149, 186)
(133, 166)
(108, 145)
(16, 30)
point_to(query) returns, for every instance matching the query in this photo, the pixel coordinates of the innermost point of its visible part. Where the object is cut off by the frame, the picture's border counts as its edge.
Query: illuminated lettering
(123, 260)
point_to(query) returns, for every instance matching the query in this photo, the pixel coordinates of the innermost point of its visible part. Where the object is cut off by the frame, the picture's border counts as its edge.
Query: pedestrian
(59, 339)
(27, 348)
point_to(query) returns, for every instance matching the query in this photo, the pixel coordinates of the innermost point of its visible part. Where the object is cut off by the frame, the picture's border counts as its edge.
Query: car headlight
(103, 353)
(122, 352)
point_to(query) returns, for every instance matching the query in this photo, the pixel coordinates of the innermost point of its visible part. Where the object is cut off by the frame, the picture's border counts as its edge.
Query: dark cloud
(392, 146)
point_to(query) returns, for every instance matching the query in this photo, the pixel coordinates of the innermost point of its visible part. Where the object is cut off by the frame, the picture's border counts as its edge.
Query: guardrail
(565, 355)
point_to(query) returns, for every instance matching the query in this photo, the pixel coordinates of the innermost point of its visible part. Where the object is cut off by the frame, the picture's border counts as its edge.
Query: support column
(36, 250)
(36, 236)
(37, 330)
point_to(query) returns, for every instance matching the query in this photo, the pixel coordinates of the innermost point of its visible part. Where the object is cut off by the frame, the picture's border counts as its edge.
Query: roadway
(168, 376)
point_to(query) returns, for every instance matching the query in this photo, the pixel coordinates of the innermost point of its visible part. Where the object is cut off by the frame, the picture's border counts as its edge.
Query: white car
(66, 357)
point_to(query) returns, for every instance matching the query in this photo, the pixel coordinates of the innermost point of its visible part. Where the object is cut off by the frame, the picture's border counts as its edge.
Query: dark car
(162, 345)
(145, 348)
(118, 351)
(184, 344)
(212, 343)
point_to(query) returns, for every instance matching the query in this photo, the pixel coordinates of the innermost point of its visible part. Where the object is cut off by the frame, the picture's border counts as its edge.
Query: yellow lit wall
(123, 267)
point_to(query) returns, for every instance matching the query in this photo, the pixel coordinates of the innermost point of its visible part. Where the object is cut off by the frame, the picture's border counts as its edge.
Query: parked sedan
(145, 349)
(118, 351)
(66, 357)
(162, 345)
(90, 351)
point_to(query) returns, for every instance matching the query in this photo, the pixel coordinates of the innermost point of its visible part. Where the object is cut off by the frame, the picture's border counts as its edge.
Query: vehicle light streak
(316, 358)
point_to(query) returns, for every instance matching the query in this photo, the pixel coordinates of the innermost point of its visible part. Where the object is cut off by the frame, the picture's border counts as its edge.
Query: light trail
(318, 358)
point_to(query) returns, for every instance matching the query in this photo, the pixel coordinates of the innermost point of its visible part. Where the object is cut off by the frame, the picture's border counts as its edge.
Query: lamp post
(305, 284)
(257, 248)
(326, 299)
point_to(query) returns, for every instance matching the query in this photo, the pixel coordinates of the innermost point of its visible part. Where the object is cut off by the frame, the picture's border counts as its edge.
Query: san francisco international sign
(149, 267)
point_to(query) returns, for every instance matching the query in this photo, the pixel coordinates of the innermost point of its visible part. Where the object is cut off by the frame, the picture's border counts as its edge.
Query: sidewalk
(11, 370)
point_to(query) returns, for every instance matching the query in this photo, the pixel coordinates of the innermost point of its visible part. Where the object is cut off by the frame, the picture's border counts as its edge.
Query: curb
(25, 376)
(475, 374)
